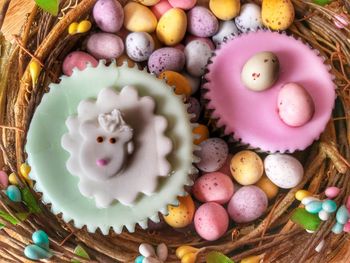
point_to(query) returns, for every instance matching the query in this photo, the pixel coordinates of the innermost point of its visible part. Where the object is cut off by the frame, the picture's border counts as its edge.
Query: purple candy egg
(202, 22)
(167, 58)
(213, 154)
(108, 15)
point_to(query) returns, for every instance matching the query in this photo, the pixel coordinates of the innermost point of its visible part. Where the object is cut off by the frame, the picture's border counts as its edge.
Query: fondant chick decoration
(117, 146)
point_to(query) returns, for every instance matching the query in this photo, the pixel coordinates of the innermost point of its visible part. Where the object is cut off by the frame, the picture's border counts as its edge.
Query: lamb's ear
(88, 129)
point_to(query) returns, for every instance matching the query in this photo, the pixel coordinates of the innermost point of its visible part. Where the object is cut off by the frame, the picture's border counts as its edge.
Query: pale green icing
(47, 158)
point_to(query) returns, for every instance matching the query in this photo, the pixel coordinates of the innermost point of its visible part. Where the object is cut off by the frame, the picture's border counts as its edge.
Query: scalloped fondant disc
(48, 159)
(252, 117)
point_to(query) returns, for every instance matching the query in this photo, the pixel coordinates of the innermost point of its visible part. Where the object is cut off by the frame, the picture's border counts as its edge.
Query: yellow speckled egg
(277, 14)
(172, 27)
(139, 18)
(301, 194)
(148, 2)
(268, 187)
(182, 215)
(181, 83)
(246, 167)
(225, 9)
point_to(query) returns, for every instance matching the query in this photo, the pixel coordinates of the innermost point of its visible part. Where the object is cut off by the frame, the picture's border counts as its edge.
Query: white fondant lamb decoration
(117, 147)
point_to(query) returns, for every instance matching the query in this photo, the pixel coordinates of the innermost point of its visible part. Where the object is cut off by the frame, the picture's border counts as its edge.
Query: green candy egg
(322, 2)
(41, 239)
(305, 219)
(35, 252)
(13, 193)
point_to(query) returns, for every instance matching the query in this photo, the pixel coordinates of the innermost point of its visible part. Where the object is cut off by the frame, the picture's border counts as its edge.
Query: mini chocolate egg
(148, 2)
(249, 18)
(139, 18)
(161, 8)
(283, 170)
(200, 133)
(182, 215)
(176, 80)
(77, 59)
(202, 22)
(270, 189)
(172, 27)
(295, 105)
(226, 168)
(213, 187)
(197, 55)
(139, 46)
(206, 40)
(211, 221)
(213, 154)
(105, 46)
(227, 29)
(183, 4)
(260, 71)
(247, 204)
(246, 167)
(108, 15)
(166, 58)
(194, 108)
(194, 82)
(225, 9)
(277, 15)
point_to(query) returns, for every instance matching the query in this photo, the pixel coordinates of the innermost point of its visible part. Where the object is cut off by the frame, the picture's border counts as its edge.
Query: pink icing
(252, 116)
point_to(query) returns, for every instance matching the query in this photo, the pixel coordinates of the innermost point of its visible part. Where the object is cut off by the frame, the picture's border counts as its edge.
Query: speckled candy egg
(202, 22)
(213, 187)
(283, 170)
(161, 8)
(277, 15)
(148, 2)
(139, 18)
(249, 18)
(77, 59)
(226, 168)
(213, 154)
(260, 71)
(211, 221)
(176, 80)
(194, 82)
(270, 189)
(225, 9)
(200, 133)
(182, 215)
(295, 105)
(108, 15)
(166, 59)
(172, 27)
(183, 4)
(246, 167)
(105, 46)
(197, 55)
(247, 204)
(139, 46)
(206, 40)
(227, 29)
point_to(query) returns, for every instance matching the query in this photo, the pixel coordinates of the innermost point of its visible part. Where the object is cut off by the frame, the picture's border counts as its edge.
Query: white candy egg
(227, 29)
(197, 55)
(139, 46)
(249, 18)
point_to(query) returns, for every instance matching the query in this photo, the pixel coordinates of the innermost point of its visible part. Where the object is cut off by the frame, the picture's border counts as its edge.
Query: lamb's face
(104, 153)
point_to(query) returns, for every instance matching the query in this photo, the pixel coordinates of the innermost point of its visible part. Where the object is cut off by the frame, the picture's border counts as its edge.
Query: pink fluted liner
(252, 117)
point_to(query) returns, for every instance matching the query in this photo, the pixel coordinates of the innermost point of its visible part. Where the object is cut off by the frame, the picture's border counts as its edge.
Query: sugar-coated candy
(305, 219)
(13, 193)
(314, 207)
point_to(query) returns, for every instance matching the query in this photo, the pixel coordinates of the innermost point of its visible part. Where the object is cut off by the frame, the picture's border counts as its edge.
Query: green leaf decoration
(50, 6)
(30, 200)
(11, 219)
(217, 257)
(81, 252)
(1, 226)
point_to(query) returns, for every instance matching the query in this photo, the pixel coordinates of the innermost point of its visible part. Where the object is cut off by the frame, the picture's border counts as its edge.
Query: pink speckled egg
(211, 221)
(202, 22)
(247, 204)
(108, 15)
(105, 46)
(208, 41)
(213, 187)
(167, 58)
(161, 8)
(225, 169)
(213, 154)
(295, 105)
(183, 4)
(194, 108)
(77, 59)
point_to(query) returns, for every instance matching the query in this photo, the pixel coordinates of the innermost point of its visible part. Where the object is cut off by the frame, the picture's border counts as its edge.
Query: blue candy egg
(41, 239)
(342, 215)
(329, 206)
(314, 207)
(337, 228)
(139, 259)
(35, 252)
(13, 193)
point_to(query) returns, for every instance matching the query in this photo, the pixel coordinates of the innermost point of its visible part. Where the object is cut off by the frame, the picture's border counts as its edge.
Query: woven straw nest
(44, 38)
